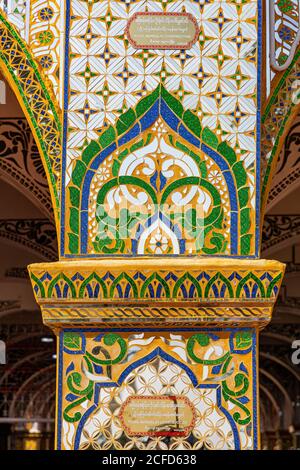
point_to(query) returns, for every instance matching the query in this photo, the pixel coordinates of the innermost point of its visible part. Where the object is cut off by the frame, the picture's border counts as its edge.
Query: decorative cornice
(37, 234)
(287, 330)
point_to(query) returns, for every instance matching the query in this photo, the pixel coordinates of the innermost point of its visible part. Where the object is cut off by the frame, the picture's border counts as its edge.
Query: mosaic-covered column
(159, 294)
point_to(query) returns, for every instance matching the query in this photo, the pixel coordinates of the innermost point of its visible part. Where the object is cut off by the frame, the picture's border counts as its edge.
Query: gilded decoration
(191, 279)
(32, 90)
(213, 369)
(158, 295)
(280, 110)
(157, 291)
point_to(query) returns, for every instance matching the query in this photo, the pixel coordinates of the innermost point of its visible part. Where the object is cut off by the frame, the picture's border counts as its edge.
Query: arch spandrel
(147, 160)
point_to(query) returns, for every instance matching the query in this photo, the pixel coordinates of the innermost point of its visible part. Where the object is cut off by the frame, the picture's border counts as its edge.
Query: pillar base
(157, 353)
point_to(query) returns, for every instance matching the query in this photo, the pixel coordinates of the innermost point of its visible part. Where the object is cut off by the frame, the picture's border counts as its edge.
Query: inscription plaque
(157, 416)
(162, 30)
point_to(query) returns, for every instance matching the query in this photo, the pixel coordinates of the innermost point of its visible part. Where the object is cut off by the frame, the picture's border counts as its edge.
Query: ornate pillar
(159, 294)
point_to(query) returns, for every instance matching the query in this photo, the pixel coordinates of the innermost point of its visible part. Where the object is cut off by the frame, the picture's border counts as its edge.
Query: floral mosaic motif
(192, 285)
(211, 368)
(40, 108)
(157, 183)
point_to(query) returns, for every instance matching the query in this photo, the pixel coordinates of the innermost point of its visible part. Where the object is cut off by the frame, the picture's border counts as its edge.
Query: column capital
(164, 291)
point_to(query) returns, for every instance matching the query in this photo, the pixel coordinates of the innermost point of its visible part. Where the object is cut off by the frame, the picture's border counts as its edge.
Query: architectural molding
(16, 272)
(156, 290)
(34, 93)
(291, 302)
